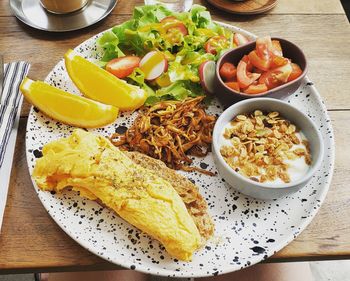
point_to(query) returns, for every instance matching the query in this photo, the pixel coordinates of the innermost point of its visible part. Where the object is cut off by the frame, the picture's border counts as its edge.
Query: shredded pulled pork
(171, 131)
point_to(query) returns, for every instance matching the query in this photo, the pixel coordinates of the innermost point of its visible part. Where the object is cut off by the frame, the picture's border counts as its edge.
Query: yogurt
(296, 168)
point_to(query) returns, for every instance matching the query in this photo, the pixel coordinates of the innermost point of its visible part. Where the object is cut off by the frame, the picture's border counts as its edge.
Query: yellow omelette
(91, 165)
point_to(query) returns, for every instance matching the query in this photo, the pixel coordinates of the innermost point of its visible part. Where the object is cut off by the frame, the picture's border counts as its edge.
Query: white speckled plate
(247, 230)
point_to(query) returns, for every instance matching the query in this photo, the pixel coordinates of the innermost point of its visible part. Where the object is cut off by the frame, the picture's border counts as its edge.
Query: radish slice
(207, 76)
(153, 65)
(239, 39)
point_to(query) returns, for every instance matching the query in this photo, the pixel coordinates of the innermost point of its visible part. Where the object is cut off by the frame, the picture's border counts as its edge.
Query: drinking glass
(63, 6)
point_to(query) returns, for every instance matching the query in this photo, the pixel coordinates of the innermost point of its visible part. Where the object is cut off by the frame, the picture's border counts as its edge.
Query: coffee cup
(63, 6)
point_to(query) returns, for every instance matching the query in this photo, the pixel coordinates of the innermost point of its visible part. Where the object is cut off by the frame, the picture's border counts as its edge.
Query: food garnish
(171, 131)
(244, 80)
(100, 85)
(262, 146)
(172, 26)
(261, 70)
(153, 65)
(123, 66)
(228, 71)
(91, 165)
(296, 72)
(233, 85)
(239, 39)
(67, 108)
(216, 43)
(206, 74)
(185, 40)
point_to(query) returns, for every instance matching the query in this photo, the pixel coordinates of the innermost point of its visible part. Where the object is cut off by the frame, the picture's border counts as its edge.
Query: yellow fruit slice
(98, 84)
(67, 108)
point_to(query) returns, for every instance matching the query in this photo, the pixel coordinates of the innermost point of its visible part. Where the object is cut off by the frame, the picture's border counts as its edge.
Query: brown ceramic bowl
(228, 96)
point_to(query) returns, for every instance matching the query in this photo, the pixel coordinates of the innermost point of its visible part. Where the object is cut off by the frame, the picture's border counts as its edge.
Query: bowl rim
(312, 170)
(271, 91)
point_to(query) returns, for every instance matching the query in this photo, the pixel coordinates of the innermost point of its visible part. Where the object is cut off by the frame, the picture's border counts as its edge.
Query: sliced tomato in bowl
(228, 72)
(256, 89)
(248, 62)
(277, 49)
(233, 85)
(283, 72)
(258, 62)
(296, 72)
(123, 66)
(245, 79)
(261, 67)
(264, 47)
(276, 77)
(278, 61)
(257, 70)
(269, 79)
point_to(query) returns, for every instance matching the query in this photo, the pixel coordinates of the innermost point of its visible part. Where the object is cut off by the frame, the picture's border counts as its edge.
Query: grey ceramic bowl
(228, 96)
(264, 190)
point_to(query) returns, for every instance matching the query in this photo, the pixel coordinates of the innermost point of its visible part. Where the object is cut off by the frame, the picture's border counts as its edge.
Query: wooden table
(32, 242)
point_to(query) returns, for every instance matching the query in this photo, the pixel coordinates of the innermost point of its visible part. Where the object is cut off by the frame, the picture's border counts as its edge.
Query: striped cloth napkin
(10, 107)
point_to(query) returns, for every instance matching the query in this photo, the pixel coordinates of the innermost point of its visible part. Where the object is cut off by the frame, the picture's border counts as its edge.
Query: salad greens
(146, 32)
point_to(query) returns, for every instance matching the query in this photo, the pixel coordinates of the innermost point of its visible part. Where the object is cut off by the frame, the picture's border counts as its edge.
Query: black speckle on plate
(258, 249)
(121, 129)
(37, 153)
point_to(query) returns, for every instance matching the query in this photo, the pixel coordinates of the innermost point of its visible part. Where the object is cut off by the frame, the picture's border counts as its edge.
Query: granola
(261, 144)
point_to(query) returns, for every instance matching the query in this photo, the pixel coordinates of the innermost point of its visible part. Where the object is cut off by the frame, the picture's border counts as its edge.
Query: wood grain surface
(248, 7)
(31, 241)
(283, 7)
(317, 43)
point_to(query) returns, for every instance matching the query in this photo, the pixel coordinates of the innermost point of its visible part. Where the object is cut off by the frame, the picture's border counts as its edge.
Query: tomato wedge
(258, 62)
(277, 49)
(264, 68)
(233, 86)
(239, 39)
(296, 72)
(257, 70)
(123, 66)
(174, 23)
(267, 48)
(243, 79)
(283, 72)
(269, 79)
(228, 72)
(264, 47)
(278, 61)
(214, 43)
(248, 62)
(276, 77)
(256, 89)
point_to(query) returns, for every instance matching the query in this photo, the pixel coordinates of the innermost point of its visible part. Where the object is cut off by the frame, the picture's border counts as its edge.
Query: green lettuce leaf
(150, 14)
(200, 16)
(178, 90)
(109, 42)
(137, 77)
(185, 53)
(119, 30)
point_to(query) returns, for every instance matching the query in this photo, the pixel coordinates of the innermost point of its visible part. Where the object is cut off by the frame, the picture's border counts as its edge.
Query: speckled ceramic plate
(247, 230)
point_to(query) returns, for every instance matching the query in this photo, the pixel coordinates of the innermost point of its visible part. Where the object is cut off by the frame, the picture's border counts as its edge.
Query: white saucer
(33, 14)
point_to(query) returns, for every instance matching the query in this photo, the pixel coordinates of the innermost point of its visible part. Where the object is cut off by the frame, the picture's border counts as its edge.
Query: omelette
(90, 164)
